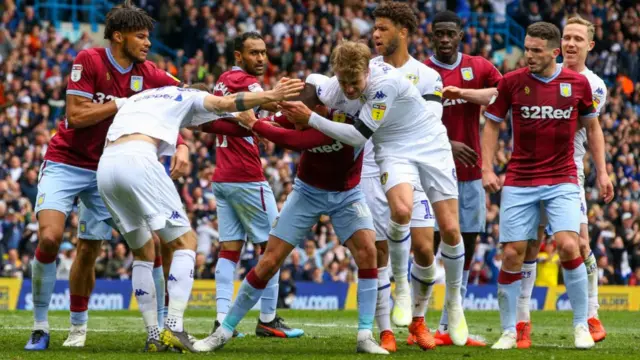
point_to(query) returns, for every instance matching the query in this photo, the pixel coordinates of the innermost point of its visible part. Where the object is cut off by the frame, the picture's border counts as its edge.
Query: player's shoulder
(238, 78)
(567, 74)
(597, 84)
(93, 56)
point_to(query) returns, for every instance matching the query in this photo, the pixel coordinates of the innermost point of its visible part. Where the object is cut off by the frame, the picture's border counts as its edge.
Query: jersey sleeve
(491, 74)
(600, 97)
(82, 80)
(500, 107)
(374, 112)
(586, 108)
(160, 78)
(432, 89)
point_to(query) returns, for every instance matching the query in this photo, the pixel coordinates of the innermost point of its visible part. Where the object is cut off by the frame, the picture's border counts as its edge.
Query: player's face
(353, 87)
(575, 44)
(253, 58)
(136, 44)
(538, 54)
(386, 36)
(446, 38)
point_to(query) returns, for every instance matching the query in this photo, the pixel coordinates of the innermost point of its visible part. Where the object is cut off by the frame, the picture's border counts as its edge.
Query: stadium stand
(35, 60)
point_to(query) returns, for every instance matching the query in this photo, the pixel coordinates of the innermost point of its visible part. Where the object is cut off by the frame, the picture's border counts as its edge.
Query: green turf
(329, 335)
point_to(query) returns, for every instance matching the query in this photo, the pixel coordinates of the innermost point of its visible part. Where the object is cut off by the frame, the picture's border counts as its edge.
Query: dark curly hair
(399, 13)
(126, 17)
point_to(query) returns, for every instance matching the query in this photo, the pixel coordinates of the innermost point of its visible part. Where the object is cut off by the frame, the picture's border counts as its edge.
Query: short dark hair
(126, 17)
(199, 86)
(399, 13)
(545, 31)
(447, 16)
(238, 42)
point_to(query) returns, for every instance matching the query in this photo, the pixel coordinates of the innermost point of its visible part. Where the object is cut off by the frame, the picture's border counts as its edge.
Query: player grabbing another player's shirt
(546, 102)
(101, 80)
(246, 205)
(469, 82)
(145, 128)
(327, 183)
(411, 147)
(577, 41)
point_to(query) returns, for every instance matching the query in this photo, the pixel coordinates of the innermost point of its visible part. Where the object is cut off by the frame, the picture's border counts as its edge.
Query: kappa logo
(140, 292)
(453, 173)
(174, 215)
(172, 278)
(379, 95)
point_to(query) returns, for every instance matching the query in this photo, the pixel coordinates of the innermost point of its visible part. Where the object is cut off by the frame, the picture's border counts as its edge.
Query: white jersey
(160, 113)
(392, 108)
(419, 74)
(599, 90)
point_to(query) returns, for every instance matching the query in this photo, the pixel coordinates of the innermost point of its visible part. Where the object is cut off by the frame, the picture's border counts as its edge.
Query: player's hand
(287, 88)
(246, 119)
(296, 111)
(490, 181)
(466, 155)
(452, 92)
(606, 187)
(180, 163)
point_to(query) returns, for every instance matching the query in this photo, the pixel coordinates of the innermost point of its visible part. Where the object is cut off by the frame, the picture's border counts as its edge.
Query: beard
(129, 54)
(392, 47)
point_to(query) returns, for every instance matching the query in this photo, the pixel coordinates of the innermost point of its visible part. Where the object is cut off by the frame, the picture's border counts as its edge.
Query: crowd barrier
(117, 295)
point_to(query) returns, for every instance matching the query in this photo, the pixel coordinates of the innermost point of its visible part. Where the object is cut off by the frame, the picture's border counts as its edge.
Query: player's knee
(268, 265)
(365, 255)
(568, 248)
(49, 240)
(449, 230)
(512, 254)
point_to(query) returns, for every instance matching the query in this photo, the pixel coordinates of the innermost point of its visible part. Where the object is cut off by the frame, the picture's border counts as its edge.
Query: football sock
(180, 284)
(43, 268)
(269, 299)
(79, 309)
(225, 271)
(367, 297)
(382, 305)
(250, 292)
(592, 278)
(508, 289)
(422, 280)
(399, 249)
(158, 281)
(526, 289)
(145, 293)
(575, 280)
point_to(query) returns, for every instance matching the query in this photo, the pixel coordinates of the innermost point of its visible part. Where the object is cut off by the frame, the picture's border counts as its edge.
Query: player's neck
(579, 67)
(549, 72)
(449, 60)
(398, 58)
(120, 57)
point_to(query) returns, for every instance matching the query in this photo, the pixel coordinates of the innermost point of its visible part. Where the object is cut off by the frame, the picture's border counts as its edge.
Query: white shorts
(583, 207)
(428, 165)
(139, 194)
(377, 201)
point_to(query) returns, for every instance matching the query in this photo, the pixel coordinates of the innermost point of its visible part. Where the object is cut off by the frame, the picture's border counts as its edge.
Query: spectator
(548, 265)
(65, 259)
(287, 289)
(117, 265)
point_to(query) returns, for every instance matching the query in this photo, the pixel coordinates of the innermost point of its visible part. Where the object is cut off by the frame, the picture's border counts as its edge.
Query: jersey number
(362, 210)
(101, 98)
(427, 210)
(224, 141)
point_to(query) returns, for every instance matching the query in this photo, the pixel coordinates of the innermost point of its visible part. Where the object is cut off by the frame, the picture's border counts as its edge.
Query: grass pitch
(329, 335)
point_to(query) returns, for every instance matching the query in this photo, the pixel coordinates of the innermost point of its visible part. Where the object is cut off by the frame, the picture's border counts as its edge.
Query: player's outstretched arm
(475, 96)
(595, 140)
(225, 127)
(297, 140)
(285, 89)
(82, 112)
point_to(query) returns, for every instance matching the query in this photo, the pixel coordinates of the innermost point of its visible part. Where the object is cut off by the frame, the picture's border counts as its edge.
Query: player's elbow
(74, 118)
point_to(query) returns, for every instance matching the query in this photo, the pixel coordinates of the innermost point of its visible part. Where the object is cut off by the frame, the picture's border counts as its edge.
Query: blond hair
(350, 59)
(591, 29)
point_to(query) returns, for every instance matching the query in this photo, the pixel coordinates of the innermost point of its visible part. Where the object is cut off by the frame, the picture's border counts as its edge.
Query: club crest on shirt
(41, 199)
(339, 117)
(76, 72)
(377, 111)
(136, 83)
(83, 227)
(467, 73)
(413, 78)
(383, 178)
(565, 89)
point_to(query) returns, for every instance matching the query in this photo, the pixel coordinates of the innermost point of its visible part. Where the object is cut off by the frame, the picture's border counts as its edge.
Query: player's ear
(591, 45)
(238, 56)
(556, 52)
(461, 34)
(117, 37)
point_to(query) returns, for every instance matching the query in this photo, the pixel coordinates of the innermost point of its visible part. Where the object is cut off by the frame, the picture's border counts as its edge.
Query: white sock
(220, 317)
(526, 288)
(180, 284)
(592, 278)
(422, 280)
(41, 325)
(382, 305)
(144, 290)
(266, 318)
(399, 249)
(364, 333)
(453, 258)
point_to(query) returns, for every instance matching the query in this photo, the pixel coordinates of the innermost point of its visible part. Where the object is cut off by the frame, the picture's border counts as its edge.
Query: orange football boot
(523, 334)
(388, 341)
(443, 339)
(420, 335)
(596, 329)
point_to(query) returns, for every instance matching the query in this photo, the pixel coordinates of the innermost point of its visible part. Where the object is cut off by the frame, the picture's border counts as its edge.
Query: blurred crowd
(35, 62)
